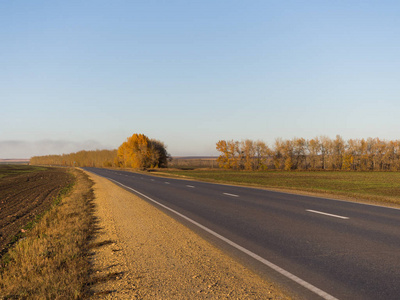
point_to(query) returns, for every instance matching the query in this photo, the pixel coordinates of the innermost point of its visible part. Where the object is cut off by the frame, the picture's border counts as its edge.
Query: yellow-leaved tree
(140, 152)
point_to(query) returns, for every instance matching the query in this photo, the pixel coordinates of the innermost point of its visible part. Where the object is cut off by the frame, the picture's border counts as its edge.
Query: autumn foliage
(96, 158)
(137, 152)
(140, 152)
(248, 155)
(320, 153)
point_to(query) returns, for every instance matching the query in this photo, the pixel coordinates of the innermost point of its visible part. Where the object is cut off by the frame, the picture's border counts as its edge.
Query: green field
(380, 187)
(7, 170)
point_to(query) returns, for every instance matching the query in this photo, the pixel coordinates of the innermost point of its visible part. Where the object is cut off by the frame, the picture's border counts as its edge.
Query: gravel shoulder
(141, 253)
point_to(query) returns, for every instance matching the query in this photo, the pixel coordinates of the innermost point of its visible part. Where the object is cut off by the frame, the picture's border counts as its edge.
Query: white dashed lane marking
(326, 214)
(232, 195)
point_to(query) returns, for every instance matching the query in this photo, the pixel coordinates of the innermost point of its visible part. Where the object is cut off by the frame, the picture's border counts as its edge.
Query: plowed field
(24, 194)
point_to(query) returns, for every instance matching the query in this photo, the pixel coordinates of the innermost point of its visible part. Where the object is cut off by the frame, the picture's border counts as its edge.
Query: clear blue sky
(87, 74)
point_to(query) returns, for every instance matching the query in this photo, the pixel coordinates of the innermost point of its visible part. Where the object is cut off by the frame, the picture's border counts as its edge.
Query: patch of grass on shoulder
(51, 261)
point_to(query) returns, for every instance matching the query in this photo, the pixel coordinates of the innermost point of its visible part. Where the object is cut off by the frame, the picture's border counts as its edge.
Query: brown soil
(25, 196)
(141, 253)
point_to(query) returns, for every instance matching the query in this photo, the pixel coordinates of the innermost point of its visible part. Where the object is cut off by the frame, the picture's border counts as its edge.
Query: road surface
(320, 248)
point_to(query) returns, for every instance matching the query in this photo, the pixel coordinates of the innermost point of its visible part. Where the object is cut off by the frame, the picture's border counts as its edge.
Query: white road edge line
(190, 186)
(166, 182)
(278, 269)
(326, 214)
(232, 195)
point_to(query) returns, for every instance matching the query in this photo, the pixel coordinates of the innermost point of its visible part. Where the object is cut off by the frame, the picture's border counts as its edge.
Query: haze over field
(85, 75)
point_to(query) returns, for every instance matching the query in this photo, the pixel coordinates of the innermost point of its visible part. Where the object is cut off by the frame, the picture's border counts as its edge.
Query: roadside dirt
(141, 253)
(23, 197)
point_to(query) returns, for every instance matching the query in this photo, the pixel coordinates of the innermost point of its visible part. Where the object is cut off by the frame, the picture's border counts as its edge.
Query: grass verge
(374, 187)
(30, 225)
(51, 261)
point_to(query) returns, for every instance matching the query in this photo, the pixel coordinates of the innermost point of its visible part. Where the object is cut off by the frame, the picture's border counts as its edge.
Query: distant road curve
(319, 248)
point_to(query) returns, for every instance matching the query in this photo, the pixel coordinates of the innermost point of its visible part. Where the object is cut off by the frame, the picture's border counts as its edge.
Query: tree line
(138, 151)
(319, 153)
(95, 158)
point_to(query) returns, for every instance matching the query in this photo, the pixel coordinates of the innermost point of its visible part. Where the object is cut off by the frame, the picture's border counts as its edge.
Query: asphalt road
(319, 248)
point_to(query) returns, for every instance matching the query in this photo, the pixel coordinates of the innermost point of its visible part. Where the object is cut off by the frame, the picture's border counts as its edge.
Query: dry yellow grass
(70, 254)
(51, 262)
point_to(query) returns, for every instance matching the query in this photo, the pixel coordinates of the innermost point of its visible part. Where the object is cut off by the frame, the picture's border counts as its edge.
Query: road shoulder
(141, 253)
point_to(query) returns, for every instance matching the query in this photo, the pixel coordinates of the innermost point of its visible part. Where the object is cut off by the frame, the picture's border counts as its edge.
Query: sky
(85, 75)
